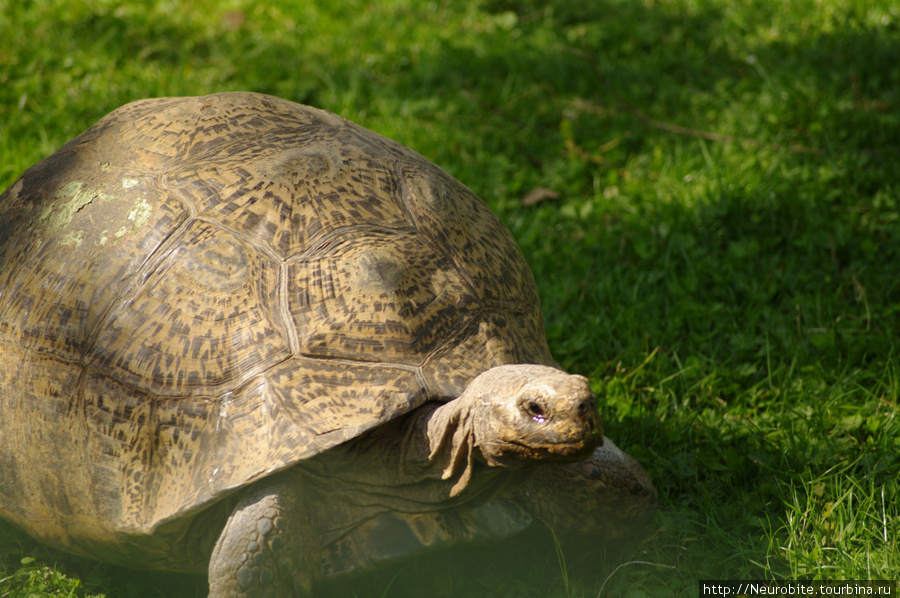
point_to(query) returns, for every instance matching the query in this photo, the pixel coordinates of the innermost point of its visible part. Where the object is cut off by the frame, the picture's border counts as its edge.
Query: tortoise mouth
(546, 450)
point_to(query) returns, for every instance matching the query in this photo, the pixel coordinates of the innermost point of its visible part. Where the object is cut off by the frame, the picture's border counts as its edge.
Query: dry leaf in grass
(537, 195)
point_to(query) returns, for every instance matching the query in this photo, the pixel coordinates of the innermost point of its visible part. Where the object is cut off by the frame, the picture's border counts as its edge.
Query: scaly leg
(267, 548)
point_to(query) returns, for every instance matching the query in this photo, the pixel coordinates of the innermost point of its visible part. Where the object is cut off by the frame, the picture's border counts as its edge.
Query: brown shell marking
(198, 291)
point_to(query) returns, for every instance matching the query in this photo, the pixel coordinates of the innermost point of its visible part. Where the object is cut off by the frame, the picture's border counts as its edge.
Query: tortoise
(244, 337)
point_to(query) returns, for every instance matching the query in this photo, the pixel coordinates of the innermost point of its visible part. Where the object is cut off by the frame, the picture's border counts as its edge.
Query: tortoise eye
(535, 409)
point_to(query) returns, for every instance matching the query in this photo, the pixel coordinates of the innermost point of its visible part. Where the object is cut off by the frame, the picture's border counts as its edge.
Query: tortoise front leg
(267, 549)
(607, 496)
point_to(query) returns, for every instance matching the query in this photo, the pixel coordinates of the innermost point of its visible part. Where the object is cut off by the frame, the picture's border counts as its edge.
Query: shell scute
(205, 320)
(74, 259)
(393, 297)
(288, 195)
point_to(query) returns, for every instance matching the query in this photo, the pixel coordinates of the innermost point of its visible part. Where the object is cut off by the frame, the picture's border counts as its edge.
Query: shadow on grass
(95, 577)
(525, 565)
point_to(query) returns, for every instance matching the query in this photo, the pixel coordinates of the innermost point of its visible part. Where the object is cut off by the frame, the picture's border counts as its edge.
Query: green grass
(720, 255)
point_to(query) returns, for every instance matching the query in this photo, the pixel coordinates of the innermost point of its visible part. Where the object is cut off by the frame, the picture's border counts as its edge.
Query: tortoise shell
(197, 292)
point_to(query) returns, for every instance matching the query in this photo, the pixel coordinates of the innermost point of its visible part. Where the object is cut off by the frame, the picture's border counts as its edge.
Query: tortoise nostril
(585, 408)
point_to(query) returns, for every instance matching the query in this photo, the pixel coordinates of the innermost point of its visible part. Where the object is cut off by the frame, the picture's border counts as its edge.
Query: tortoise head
(534, 413)
(513, 415)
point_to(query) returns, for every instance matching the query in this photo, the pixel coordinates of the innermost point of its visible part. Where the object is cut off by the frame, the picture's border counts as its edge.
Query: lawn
(708, 194)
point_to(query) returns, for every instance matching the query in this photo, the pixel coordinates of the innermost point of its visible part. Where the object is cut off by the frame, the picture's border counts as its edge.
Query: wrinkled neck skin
(416, 464)
(436, 442)
(413, 463)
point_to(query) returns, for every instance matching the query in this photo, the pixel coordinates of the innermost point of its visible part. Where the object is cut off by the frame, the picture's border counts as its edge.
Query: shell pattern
(197, 292)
